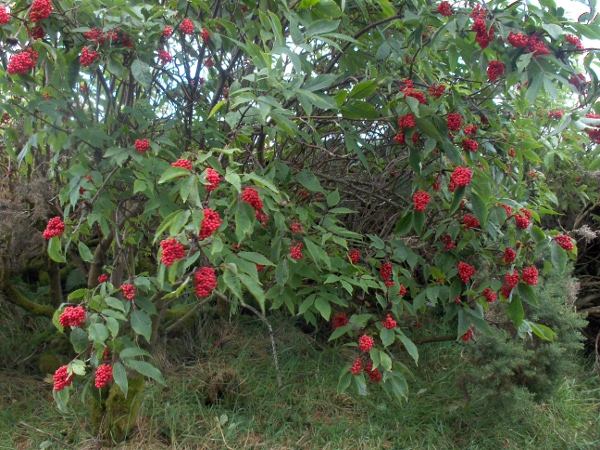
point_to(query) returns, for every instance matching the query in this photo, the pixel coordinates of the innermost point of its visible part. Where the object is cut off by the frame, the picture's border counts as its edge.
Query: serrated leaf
(385, 361)
(254, 288)
(145, 369)
(216, 108)
(98, 332)
(141, 324)
(363, 90)
(79, 340)
(387, 337)
(132, 352)
(233, 283)
(340, 331)
(411, 348)
(479, 206)
(333, 198)
(120, 376)
(516, 312)
(141, 72)
(323, 307)
(255, 258)
(526, 293)
(308, 179)
(405, 224)
(85, 252)
(558, 257)
(173, 172)
(55, 249)
(344, 381)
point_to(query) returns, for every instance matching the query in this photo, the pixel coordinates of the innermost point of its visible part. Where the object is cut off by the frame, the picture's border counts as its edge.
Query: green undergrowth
(229, 398)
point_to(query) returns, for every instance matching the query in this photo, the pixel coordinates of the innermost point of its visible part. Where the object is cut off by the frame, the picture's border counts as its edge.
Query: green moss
(48, 362)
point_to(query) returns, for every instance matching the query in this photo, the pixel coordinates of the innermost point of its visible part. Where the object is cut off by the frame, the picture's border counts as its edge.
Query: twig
(45, 433)
(183, 318)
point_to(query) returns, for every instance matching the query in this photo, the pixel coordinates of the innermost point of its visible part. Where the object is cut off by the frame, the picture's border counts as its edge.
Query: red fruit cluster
(103, 278)
(522, 221)
(142, 145)
(55, 227)
(389, 323)
(296, 227)
(483, 36)
(467, 336)
(448, 242)
(454, 122)
(574, 40)
(444, 9)
(471, 130)
(415, 94)
(173, 251)
(210, 223)
(407, 121)
(165, 57)
(400, 138)
(512, 280)
(250, 196)
(494, 70)
(340, 320)
(537, 47)
(470, 145)
(436, 91)
(97, 36)
(208, 62)
(365, 343)
(517, 40)
(564, 241)
(374, 375)
(356, 367)
(205, 35)
(36, 32)
(556, 114)
(402, 290)
(470, 222)
(386, 273)
(22, 62)
(461, 176)
(186, 27)
(530, 275)
(261, 217)
(205, 281)
(128, 291)
(509, 255)
(465, 271)
(490, 296)
(62, 379)
(212, 176)
(421, 199)
(354, 256)
(88, 56)
(72, 316)
(4, 16)
(40, 10)
(511, 152)
(104, 375)
(183, 163)
(296, 251)
(593, 133)
(167, 32)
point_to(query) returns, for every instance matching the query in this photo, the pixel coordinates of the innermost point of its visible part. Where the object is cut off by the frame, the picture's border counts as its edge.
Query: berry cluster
(296, 251)
(186, 27)
(402, 290)
(296, 227)
(374, 375)
(530, 275)
(415, 94)
(36, 32)
(512, 280)
(517, 40)
(365, 343)
(467, 336)
(250, 196)
(340, 320)
(205, 35)
(167, 32)
(210, 223)
(213, 178)
(465, 271)
(164, 56)
(354, 256)
(22, 62)
(62, 379)
(556, 114)
(407, 121)
(208, 62)
(55, 227)
(593, 133)
(447, 241)
(565, 242)
(470, 145)
(454, 122)
(436, 90)
(128, 291)
(511, 152)
(40, 10)
(356, 367)
(470, 222)
(522, 221)
(574, 40)
(490, 296)
(183, 163)
(471, 130)
(444, 9)
(509, 255)
(537, 47)
(173, 251)
(104, 374)
(389, 323)
(386, 274)
(400, 138)
(461, 176)
(421, 199)
(88, 56)
(261, 217)
(103, 278)
(72, 316)
(495, 69)
(483, 37)
(205, 281)
(142, 145)
(4, 16)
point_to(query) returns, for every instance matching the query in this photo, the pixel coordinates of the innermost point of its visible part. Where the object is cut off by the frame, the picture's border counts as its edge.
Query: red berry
(128, 291)
(36, 32)
(88, 56)
(467, 336)
(210, 223)
(205, 35)
(565, 242)
(421, 199)
(522, 221)
(261, 217)
(250, 196)
(365, 343)
(494, 70)
(490, 296)
(340, 320)
(415, 94)
(402, 290)
(407, 121)
(55, 227)
(73, 317)
(574, 40)
(536, 46)
(447, 241)
(471, 130)
(296, 251)
(461, 176)
(517, 40)
(374, 375)
(165, 57)
(22, 62)
(444, 9)
(389, 323)
(104, 375)
(354, 256)
(40, 10)
(512, 280)
(167, 32)
(356, 368)
(505, 291)
(509, 255)
(208, 62)
(385, 271)
(4, 16)
(187, 26)
(205, 281)
(465, 271)
(103, 278)
(62, 378)
(530, 275)
(173, 251)
(556, 114)
(454, 122)
(183, 163)
(212, 176)
(142, 145)
(436, 91)
(470, 222)
(470, 145)
(296, 227)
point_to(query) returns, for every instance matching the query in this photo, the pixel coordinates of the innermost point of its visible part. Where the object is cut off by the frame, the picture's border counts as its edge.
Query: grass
(222, 394)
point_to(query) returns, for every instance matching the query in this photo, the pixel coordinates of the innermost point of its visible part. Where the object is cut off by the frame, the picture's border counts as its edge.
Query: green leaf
(344, 381)
(145, 369)
(333, 198)
(79, 340)
(410, 347)
(55, 249)
(542, 331)
(141, 324)
(387, 337)
(526, 293)
(234, 179)
(537, 234)
(233, 283)
(479, 208)
(141, 72)
(385, 361)
(166, 223)
(405, 224)
(361, 385)
(79, 293)
(216, 108)
(98, 332)
(317, 252)
(244, 220)
(120, 377)
(363, 90)
(418, 221)
(515, 311)
(530, 155)
(256, 258)
(308, 179)
(558, 257)
(323, 307)
(132, 352)
(254, 288)
(85, 252)
(322, 26)
(415, 161)
(340, 331)
(173, 172)
(458, 198)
